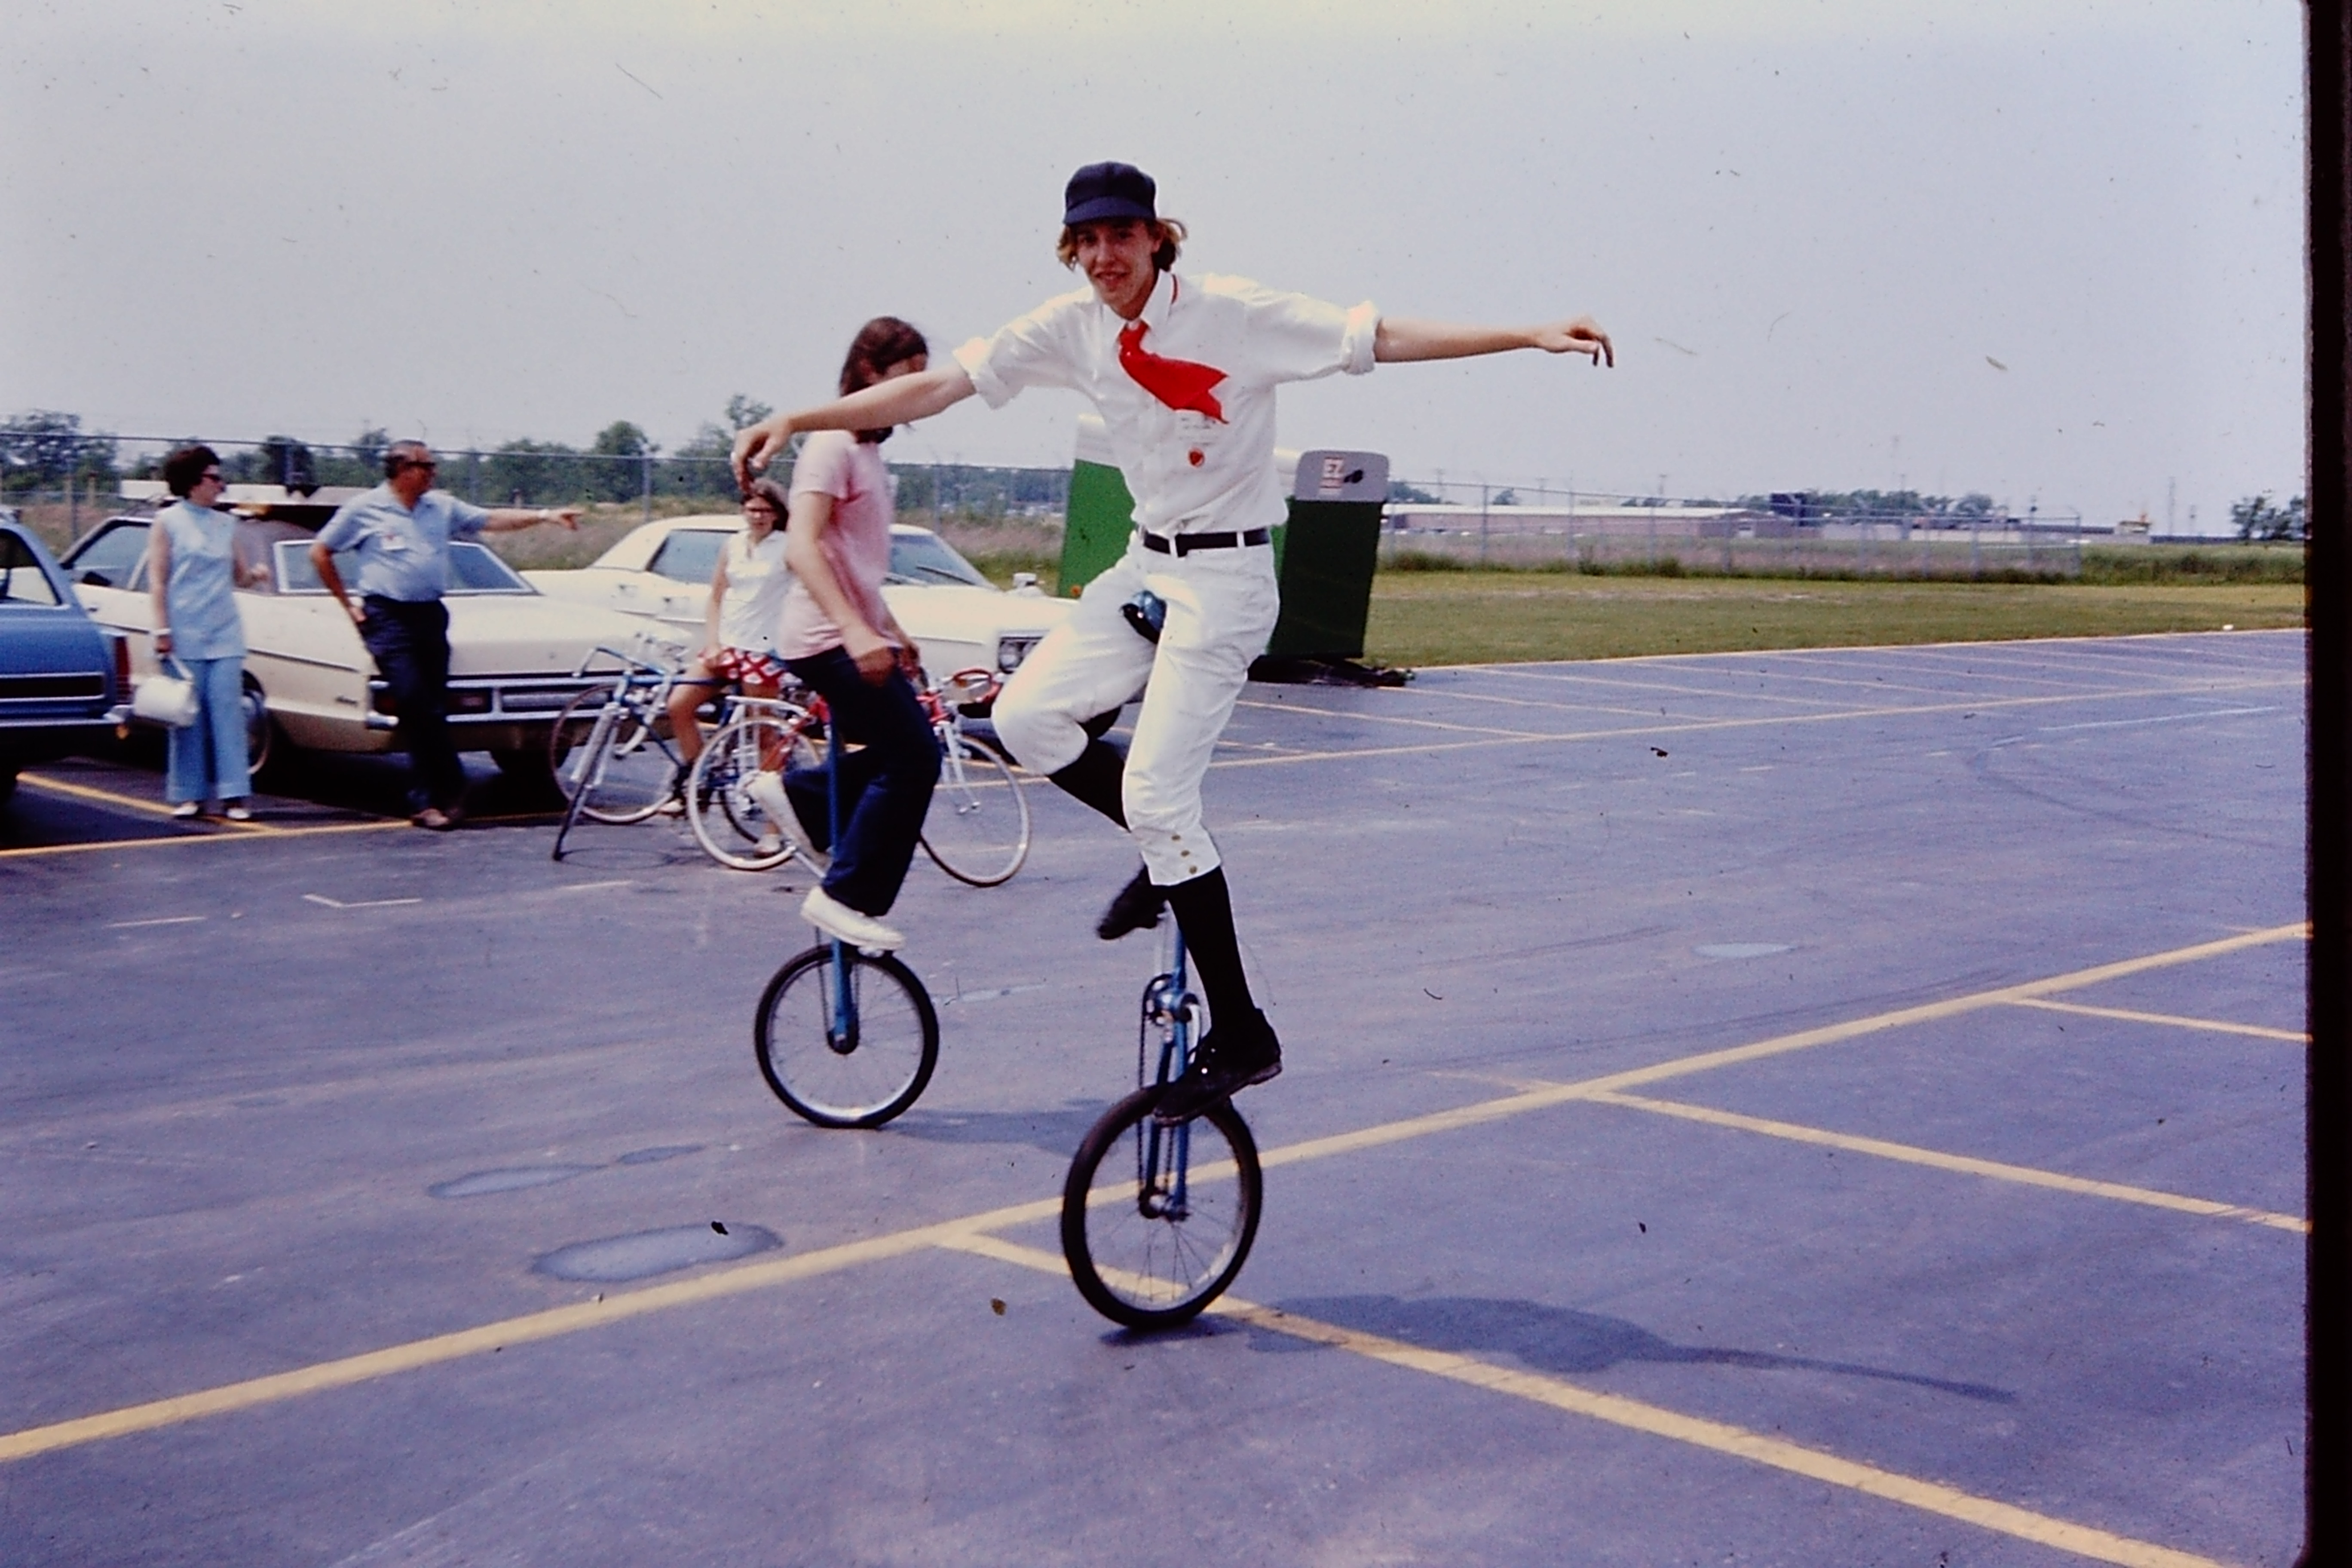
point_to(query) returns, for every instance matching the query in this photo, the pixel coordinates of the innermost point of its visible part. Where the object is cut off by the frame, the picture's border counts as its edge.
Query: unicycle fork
(1158, 1218)
(845, 1038)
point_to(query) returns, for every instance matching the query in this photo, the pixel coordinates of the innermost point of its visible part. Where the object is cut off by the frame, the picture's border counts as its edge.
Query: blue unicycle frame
(1166, 1148)
(1150, 1238)
(841, 1034)
(860, 1075)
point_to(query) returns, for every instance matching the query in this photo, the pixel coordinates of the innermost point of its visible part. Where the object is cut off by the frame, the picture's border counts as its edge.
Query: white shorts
(1222, 606)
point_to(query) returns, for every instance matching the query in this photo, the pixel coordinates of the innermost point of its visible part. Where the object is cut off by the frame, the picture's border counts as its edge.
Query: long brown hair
(1168, 231)
(880, 344)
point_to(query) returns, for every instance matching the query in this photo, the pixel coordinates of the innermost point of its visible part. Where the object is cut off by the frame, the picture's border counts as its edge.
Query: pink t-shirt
(857, 542)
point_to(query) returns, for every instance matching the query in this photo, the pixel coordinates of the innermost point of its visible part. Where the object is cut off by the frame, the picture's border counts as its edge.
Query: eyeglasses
(211, 474)
(428, 467)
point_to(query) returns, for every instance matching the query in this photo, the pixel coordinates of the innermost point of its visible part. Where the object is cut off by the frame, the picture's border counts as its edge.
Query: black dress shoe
(1137, 908)
(1229, 1060)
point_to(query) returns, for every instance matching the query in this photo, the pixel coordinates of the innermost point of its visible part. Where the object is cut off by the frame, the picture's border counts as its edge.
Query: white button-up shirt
(1189, 472)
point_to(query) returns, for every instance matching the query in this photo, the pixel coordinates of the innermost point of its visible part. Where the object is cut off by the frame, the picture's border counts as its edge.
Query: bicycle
(756, 736)
(978, 828)
(608, 750)
(1158, 1219)
(845, 1037)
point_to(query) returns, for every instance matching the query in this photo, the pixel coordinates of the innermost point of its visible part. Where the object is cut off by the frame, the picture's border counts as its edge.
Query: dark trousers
(886, 789)
(410, 644)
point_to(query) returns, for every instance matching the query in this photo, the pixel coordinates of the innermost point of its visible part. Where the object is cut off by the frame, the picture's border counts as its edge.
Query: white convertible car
(662, 570)
(308, 680)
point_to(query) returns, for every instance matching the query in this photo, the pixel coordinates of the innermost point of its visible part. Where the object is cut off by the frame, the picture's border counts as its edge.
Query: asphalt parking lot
(1831, 1107)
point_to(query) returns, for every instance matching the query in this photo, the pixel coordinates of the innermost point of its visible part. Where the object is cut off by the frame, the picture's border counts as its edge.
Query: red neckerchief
(1179, 382)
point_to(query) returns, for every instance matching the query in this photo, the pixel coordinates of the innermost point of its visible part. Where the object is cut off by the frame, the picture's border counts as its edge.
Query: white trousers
(1222, 606)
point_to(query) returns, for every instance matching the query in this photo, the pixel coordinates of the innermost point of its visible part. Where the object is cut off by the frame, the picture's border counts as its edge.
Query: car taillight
(122, 666)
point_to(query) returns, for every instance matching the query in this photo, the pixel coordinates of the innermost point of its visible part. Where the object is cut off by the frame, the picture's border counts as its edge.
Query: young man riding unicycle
(1182, 370)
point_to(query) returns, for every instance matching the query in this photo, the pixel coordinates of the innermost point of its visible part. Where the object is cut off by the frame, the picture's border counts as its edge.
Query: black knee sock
(1205, 912)
(1094, 778)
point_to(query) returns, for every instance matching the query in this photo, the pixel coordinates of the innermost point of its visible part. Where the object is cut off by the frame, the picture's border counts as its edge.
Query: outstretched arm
(1401, 338)
(899, 401)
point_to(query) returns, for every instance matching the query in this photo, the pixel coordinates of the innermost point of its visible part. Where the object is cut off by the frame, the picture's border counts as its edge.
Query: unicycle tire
(877, 1070)
(1139, 1257)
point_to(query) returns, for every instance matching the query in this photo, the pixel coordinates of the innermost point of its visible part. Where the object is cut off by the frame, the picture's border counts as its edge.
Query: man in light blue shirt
(401, 532)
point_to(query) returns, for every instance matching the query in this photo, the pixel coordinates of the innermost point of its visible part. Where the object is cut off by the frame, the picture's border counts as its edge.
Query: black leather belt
(1185, 543)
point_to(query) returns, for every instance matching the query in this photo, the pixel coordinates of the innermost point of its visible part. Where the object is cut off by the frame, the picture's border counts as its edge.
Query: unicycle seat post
(844, 1002)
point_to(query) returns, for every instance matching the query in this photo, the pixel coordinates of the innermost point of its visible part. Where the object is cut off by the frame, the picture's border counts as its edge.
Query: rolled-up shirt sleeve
(345, 529)
(1295, 337)
(466, 519)
(1033, 351)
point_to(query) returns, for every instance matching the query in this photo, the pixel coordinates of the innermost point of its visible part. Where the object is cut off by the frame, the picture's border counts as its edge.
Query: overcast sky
(2052, 251)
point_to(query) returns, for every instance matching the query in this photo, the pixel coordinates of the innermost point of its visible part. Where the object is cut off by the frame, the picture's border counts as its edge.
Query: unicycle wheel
(853, 1066)
(1156, 1221)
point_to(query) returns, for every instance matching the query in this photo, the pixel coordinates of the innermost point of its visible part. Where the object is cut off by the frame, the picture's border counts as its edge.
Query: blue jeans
(207, 759)
(886, 789)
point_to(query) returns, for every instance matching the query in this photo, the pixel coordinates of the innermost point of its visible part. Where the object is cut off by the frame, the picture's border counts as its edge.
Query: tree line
(43, 451)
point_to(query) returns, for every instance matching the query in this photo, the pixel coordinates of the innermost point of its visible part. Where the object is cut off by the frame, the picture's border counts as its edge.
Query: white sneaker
(836, 919)
(767, 789)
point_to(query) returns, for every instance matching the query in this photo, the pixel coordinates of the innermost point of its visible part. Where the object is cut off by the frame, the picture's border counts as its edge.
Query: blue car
(63, 682)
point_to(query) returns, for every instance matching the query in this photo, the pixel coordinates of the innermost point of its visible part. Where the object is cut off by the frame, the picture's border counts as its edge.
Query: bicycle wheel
(729, 821)
(1156, 1221)
(855, 1071)
(613, 751)
(978, 827)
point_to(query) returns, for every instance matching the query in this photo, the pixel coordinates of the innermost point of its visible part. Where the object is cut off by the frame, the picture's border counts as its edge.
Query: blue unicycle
(1158, 1219)
(845, 1038)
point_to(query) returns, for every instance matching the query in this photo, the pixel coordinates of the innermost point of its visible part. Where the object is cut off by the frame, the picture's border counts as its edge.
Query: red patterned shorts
(748, 663)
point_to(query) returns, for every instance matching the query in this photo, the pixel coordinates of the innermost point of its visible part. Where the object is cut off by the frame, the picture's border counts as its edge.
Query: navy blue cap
(1109, 191)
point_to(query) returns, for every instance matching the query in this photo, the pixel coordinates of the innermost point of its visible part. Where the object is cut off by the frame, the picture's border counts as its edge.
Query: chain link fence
(1435, 524)
(63, 482)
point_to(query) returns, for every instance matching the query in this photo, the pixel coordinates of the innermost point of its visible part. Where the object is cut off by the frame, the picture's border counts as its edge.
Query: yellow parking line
(177, 840)
(549, 1324)
(2216, 1025)
(1909, 1154)
(128, 802)
(758, 1276)
(1656, 1421)
(1538, 1097)
(1696, 726)
(1406, 719)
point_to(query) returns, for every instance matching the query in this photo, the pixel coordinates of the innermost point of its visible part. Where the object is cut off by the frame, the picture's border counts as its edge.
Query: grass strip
(1481, 618)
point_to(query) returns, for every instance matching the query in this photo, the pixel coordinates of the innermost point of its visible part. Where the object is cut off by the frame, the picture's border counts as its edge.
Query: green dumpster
(1325, 555)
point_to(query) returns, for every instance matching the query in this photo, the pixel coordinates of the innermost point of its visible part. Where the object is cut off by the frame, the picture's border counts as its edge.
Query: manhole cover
(649, 1252)
(508, 1181)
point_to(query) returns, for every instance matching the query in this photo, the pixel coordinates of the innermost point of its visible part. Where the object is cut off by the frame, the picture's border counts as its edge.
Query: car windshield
(928, 558)
(690, 556)
(109, 559)
(22, 581)
(472, 570)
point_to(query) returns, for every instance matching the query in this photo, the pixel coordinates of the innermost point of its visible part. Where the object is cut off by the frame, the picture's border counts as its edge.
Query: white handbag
(167, 697)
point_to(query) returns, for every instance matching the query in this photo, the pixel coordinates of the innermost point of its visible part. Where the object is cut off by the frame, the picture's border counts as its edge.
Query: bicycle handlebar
(637, 665)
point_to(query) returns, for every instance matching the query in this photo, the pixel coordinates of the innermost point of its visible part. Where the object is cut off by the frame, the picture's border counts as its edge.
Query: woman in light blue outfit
(192, 569)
